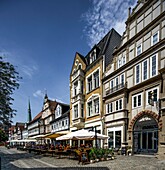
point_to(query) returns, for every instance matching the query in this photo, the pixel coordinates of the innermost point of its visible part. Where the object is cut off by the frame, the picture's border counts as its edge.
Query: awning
(38, 137)
(82, 135)
(56, 134)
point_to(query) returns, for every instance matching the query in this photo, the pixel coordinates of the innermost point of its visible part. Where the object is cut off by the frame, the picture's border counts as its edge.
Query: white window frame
(156, 65)
(92, 75)
(75, 106)
(121, 78)
(152, 43)
(117, 102)
(140, 45)
(152, 89)
(139, 73)
(147, 60)
(136, 95)
(58, 111)
(124, 59)
(92, 99)
(75, 88)
(109, 107)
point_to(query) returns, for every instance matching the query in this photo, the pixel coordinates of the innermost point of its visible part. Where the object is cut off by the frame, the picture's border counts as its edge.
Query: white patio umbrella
(82, 135)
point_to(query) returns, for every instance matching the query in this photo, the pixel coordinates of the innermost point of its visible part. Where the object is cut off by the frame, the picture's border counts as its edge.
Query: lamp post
(103, 121)
(95, 136)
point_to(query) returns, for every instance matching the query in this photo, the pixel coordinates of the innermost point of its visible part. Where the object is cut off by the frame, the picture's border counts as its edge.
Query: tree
(3, 136)
(9, 81)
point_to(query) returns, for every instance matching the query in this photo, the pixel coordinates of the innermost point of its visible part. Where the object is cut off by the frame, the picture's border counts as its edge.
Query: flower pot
(97, 160)
(102, 159)
(92, 161)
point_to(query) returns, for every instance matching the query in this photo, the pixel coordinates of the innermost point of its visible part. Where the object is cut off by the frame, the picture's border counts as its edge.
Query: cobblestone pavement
(12, 159)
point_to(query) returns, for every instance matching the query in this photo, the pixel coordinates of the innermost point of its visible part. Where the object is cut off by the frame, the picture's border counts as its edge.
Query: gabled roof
(82, 58)
(106, 46)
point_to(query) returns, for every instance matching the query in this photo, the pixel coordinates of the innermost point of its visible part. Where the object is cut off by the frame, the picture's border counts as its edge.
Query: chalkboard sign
(123, 150)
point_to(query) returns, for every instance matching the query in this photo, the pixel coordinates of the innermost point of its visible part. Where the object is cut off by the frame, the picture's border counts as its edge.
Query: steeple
(46, 97)
(29, 113)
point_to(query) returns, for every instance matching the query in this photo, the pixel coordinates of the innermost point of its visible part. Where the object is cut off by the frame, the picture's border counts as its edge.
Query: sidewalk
(13, 159)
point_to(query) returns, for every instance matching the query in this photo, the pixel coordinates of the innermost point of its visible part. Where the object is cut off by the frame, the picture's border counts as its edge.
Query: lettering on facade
(144, 119)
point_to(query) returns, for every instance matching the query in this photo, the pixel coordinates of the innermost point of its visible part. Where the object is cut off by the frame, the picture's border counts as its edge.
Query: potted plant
(92, 156)
(97, 153)
(102, 154)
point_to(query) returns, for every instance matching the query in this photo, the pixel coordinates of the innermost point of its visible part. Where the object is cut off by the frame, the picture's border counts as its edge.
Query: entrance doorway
(145, 135)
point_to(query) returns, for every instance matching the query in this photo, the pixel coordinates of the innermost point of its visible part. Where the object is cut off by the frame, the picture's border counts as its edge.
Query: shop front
(145, 135)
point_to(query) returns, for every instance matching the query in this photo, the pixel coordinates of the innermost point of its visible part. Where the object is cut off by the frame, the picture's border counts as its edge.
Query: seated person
(52, 147)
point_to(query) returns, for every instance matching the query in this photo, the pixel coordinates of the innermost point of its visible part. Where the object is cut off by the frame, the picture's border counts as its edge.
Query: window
(153, 65)
(117, 82)
(137, 74)
(93, 106)
(122, 79)
(58, 111)
(109, 108)
(75, 88)
(111, 84)
(76, 111)
(137, 100)
(66, 122)
(124, 60)
(82, 110)
(139, 50)
(96, 105)
(90, 83)
(92, 56)
(121, 61)
(117, 105)
(82, 87)
(120, 104)
(155, 38)
(63, 123)
(145, 70)
(152, 96)
(90, 108)
(96, 79)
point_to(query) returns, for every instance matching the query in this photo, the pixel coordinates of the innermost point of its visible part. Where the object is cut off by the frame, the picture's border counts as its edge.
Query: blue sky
(41, 38)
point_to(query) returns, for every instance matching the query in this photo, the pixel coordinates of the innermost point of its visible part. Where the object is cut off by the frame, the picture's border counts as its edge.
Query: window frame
(139, 74)
(140, 45)
(146, 69)
(152, 38)
(151, 65)
(147, 94)
(137, 101)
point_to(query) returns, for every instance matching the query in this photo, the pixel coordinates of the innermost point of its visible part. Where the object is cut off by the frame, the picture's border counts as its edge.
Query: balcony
(77, 74)
(78, 122)
(114, 89)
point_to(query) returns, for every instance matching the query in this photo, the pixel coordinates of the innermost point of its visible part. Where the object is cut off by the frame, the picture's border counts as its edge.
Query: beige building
(86, 84)
(134, 82)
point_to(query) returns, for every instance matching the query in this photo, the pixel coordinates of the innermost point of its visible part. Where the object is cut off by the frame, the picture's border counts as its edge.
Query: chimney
(129, 12)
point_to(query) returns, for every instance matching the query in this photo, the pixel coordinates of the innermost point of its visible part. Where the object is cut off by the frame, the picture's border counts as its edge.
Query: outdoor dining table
(60, 153)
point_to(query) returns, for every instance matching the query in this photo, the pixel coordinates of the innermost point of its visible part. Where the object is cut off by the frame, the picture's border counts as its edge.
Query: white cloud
(39, 93)
(28, 70)
(104, 15)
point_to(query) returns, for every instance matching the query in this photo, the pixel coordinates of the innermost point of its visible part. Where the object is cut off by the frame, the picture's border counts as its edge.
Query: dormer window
(92, 56)
(58, 111)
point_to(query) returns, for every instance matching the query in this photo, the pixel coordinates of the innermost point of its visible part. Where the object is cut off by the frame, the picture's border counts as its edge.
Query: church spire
(29, 113)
